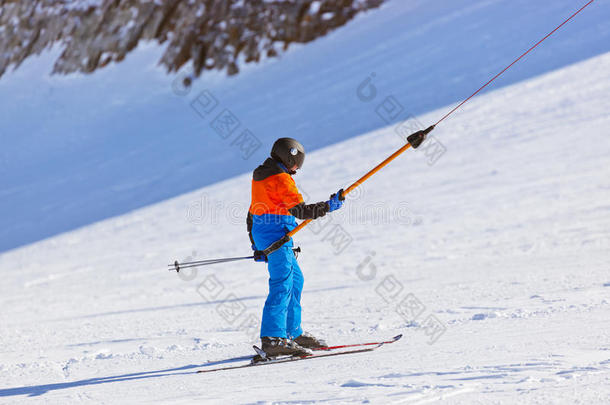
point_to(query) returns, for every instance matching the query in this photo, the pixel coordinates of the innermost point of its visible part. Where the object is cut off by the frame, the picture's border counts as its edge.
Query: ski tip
(397, 337)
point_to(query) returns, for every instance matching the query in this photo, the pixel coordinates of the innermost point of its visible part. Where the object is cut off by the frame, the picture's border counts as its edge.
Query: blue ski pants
(282, 311)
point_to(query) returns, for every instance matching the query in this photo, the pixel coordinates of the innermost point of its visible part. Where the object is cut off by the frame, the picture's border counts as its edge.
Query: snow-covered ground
(504, 240)
(79, 149)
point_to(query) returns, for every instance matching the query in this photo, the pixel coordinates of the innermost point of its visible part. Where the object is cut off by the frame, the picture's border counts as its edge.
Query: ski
(394, 339)
(365, 347)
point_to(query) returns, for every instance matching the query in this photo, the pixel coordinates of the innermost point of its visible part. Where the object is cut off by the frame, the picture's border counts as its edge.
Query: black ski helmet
(288, 151)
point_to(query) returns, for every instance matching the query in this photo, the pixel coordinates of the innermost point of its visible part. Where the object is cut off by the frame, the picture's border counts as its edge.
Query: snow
(496, 231)
(68, 143)
(504, 240)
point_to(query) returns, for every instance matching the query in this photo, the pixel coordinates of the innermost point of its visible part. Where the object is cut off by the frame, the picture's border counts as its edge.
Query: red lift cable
(515, 61)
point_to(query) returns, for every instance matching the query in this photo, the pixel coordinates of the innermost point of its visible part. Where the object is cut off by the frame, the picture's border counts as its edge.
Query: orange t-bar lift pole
(418, 137)
(372, 172)
(414, 140)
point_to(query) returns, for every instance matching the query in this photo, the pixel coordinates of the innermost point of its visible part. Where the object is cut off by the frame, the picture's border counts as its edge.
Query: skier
(276, 202)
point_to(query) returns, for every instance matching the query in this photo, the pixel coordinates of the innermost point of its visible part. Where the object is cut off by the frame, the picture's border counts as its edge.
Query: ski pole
(413, 140)
(177, 266)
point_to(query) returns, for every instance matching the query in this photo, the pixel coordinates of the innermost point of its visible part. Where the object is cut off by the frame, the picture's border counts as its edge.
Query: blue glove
(336, 201)
(259, 256)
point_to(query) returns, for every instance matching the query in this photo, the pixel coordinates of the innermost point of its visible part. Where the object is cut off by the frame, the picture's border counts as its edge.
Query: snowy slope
(504, 239)
(78, 149)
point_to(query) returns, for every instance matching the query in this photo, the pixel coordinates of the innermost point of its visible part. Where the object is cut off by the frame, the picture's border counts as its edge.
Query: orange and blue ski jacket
(276, 202)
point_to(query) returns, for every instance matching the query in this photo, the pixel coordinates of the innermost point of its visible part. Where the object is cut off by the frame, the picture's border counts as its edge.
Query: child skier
(276, 202)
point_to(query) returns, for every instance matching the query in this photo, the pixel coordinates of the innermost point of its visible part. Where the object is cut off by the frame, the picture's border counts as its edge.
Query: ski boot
(274, 346)
(309, 341)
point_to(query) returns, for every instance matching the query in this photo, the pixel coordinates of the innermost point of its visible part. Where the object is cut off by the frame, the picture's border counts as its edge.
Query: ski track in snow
(505, 240)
